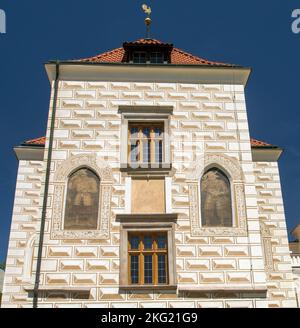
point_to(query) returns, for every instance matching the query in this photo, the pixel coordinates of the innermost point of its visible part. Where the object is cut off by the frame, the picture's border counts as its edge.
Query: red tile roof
(147, 42)
(178, 56)
(41, 142)
(258, 143)
(35, 142)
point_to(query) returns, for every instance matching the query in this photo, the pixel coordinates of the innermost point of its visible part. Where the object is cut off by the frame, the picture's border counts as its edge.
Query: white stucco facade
(248, 265)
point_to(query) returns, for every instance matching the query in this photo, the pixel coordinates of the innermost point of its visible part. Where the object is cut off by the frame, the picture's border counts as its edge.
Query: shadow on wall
(1, 280)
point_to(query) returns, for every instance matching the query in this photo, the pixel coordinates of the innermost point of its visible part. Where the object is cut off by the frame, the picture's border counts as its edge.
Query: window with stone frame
(148, 258)
(147, 251)
(82, 200)
(216, 203)
(145, 142)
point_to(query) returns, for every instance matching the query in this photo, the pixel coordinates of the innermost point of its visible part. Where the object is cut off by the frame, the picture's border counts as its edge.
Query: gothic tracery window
(82, 201)
(216, 206)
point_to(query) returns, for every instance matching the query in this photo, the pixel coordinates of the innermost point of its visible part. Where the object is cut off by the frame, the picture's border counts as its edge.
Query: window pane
(134, 150)
(134, 242)
(146, 151)
(147, 242)
(148, 269)
(161, 242)
(146, 132)
(134, 132)
(162, 278)
(139, 57)
(158, 151)
(156, 57)
(216, 207)
(158, 132)
(134, 268)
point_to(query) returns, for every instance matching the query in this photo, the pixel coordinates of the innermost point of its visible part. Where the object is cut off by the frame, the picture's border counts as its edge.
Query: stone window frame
(147, 223)
(233, 171)
(60, 182)
(145, 114)
(141, 252)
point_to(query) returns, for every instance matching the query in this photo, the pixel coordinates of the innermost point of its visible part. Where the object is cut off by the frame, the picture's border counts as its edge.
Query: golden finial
(147, 10)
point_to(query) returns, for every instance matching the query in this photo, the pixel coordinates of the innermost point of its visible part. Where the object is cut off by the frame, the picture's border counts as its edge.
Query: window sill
(162, 169)
(147, 218)
(148, 287)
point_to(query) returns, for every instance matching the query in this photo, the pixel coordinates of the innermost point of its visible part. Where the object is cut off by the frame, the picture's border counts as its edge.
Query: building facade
(295, 253)
(147, 190)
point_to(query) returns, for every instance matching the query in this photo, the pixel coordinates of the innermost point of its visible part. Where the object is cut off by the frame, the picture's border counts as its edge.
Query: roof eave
(30, 152)
(266, 153)
(222, 74)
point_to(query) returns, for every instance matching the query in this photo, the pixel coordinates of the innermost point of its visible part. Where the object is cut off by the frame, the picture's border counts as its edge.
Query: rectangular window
(145, 142)
(139, 57)
(156, 58)
(147, 258)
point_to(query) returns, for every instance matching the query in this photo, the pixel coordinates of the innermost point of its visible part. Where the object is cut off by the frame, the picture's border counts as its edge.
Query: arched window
(82, 201)
(216, 208)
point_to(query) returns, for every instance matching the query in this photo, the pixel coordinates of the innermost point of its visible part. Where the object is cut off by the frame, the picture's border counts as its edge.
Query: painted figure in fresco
(82, 200)
(216, 207)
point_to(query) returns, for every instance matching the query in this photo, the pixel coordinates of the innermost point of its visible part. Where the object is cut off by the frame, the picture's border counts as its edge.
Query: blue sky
(251, 33)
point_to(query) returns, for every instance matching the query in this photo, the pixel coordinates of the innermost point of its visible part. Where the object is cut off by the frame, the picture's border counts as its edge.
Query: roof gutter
(216, 66)
(163, 73)
(46, 190)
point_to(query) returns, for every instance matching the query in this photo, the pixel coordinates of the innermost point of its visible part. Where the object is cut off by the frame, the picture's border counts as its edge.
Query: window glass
(139, 57)
(148, 263)
(134, 267)
(156, 58)
(146, 143)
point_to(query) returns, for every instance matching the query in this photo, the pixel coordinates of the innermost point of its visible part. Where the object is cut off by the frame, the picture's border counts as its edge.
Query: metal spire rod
(147, 10)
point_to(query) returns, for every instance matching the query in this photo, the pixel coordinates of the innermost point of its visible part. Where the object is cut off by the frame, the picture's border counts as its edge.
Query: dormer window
(143, 57)
(147, 51)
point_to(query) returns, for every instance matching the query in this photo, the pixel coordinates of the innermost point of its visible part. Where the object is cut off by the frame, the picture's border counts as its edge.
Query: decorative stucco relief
(267, 247)
(232, 168)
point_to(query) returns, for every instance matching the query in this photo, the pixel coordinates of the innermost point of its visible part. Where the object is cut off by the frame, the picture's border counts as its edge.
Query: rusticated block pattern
(277, 260)
(207, 118)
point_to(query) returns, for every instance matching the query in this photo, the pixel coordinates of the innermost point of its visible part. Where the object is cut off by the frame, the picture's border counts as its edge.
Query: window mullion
(140, 144)
(154, 268)
(154, 260)
(141, 268)
(152, 145)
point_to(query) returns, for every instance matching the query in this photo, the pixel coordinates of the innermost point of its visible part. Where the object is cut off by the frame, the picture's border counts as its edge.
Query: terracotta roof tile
(41, 142)
(178, 56)
(36, 142)
(147, 42)
(258, 143)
